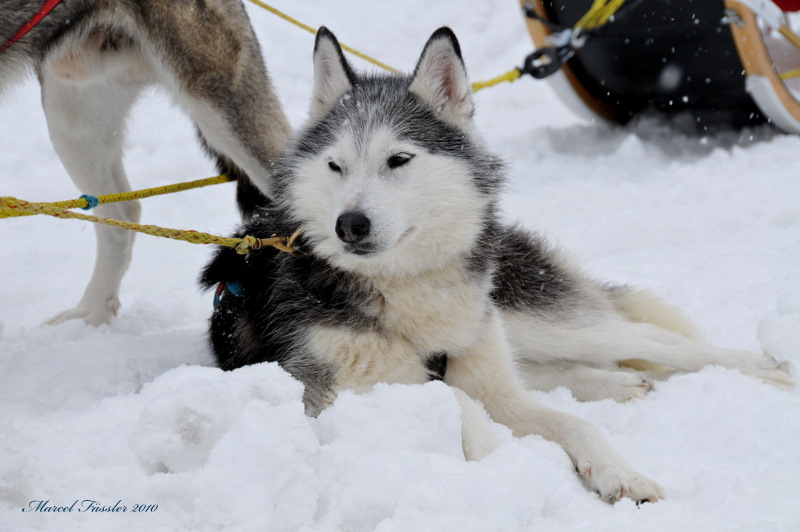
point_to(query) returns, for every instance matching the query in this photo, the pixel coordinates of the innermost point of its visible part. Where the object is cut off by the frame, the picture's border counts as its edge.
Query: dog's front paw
(92, 315)
(614, 483)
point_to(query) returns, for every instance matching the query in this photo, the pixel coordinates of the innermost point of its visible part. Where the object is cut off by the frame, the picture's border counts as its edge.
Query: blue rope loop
(91, 201)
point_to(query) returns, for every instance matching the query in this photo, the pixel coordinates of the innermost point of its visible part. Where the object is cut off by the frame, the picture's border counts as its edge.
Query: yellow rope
(309, 29)
(600, 12)
(510, 76)
(478, 85)
(789, 35)
(242, 245)
(793, 38)
(82, 203)
(586, 19)
(791, 74)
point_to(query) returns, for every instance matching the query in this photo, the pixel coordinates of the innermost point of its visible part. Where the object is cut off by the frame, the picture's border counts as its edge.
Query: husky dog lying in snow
(411, 276)
(93, 59)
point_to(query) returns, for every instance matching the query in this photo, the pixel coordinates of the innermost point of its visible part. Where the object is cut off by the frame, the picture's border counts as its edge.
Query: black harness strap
(436, 365)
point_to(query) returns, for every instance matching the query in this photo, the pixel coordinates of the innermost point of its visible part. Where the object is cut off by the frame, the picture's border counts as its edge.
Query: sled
(723, 63)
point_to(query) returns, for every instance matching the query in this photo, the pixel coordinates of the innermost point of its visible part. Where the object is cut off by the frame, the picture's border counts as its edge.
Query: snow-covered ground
(134, 412)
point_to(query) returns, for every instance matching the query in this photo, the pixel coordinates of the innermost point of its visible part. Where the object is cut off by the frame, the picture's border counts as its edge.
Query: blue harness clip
(234, 287)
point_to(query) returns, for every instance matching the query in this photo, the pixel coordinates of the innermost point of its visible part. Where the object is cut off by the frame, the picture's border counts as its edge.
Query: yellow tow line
(510, 76)
(242, 245)
(88, 202)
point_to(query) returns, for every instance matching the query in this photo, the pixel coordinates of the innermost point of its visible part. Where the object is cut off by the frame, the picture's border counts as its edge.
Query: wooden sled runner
(724, 63)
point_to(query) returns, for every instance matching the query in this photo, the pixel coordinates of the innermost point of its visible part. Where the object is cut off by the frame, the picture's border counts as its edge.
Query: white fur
(86, 97)
(409, 213)
(486, 372)
(437, 311)
(366, 358)
(444, 310)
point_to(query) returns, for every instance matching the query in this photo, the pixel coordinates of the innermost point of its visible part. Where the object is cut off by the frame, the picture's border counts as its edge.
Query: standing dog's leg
(87, 93)
(209, 58)
(485, 371)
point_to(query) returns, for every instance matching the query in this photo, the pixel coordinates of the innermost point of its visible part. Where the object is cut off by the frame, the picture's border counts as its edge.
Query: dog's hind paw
(621, 386)
(783, 375)
(763, 366)
(635, 386)
(94, 316)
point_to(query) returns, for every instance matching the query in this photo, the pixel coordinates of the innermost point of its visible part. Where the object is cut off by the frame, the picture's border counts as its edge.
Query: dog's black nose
(352, 227)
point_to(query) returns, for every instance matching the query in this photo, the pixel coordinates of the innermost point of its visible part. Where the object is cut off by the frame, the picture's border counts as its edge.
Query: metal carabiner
(547, 60)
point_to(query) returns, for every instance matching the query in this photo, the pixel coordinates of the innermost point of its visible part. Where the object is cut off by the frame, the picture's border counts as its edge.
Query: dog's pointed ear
(440, 78)
(333, 76)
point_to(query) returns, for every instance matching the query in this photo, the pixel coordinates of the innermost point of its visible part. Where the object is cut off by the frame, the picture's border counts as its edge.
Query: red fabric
(788, 5)
(46, 8)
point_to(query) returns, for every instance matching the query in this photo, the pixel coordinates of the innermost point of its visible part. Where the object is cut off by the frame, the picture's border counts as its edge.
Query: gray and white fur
(94, 58)
(410, 274)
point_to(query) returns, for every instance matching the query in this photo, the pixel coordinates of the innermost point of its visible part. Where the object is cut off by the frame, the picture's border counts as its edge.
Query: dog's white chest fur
(440, 312)
(436, 312)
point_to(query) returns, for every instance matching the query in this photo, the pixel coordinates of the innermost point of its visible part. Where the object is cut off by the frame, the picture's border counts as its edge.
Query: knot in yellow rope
(286, 244)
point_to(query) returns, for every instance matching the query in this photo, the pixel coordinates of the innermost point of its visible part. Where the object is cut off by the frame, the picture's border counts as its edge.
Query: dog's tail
(642, 306)
(248, 197)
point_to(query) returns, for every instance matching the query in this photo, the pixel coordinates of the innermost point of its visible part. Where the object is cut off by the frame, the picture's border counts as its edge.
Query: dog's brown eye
(398, 160)
(335, 167)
